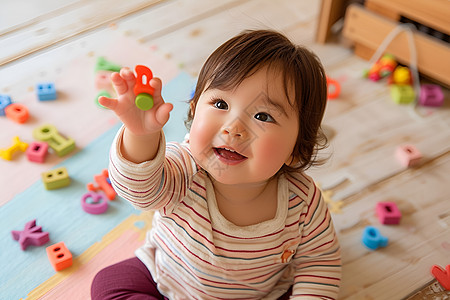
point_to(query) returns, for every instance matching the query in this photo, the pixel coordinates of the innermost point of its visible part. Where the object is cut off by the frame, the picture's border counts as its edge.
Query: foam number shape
(5, 100)
(30, 235)
(442, 276)
(98, 203)
(56, 178)
(142, 89)
(388, 213)
(103, 184)
(16, 146)
(46, 91)
(372, 238)
(17, 112)
(59, 256)
(48, 133)
(37, 151)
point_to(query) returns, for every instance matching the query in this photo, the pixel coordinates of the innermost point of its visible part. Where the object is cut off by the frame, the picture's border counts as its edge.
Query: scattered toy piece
(401, 75)
(59, 256)
(30, 235)
(372, 238)
(48, 133)
(46, 91)
(37, 151)
(381, 68)
(105, 65)
(442, 276)
(142, 89)
(56, 178)
(334, 88)
(402, 93)
(5, 100)
(333, 206)
(408, 155)
(102, 80)
(103, 185)
(17, 112)
(17, 145)
(431, 95)
(388, 213)
(97, 205)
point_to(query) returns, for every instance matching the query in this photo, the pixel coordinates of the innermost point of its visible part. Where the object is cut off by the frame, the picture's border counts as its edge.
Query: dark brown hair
(248, 52)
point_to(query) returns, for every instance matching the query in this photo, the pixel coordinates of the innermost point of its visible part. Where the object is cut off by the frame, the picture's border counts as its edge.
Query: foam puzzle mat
(95, 241)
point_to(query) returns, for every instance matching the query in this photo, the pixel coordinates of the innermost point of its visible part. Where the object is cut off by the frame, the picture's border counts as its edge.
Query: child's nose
(235, 130)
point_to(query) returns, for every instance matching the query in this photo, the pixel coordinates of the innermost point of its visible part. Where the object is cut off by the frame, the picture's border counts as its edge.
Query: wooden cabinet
(367, 26)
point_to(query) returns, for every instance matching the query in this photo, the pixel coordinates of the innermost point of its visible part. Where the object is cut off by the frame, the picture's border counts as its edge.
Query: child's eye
(264, 117)
(220, 104)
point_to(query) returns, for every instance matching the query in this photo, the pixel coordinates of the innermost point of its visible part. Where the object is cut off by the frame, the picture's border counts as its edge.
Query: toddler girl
(235, 215)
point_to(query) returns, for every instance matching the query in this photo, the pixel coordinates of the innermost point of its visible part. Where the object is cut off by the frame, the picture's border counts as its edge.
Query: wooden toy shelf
(367, 26)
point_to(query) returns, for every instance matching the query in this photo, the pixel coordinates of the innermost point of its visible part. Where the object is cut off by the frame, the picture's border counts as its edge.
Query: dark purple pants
(130, 279)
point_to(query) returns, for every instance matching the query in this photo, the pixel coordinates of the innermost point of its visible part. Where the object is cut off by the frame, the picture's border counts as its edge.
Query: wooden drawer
(367, 30)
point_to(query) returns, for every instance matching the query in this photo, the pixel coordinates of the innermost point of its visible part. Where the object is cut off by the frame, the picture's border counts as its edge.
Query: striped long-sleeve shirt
(193, 252)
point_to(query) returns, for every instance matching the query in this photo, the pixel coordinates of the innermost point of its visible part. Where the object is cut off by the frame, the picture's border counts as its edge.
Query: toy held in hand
(142, 89)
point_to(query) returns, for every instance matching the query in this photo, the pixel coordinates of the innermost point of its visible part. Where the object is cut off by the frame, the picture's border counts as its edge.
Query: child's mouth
(229, 156)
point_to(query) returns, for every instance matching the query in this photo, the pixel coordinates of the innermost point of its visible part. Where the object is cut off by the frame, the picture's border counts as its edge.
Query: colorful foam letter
(408, 155)
(37, 151)
(442, 276)
(105, 65)
(142, 89)
(103, 185)
(56, 178)
(59, 256)
(388, 213)
(17, 145)
(431, 95)
(46, 91)
(48, 133)
(372, 238)
(333, 92)
(5, 100)
(98, 203)
(17, 112)
(30, 235)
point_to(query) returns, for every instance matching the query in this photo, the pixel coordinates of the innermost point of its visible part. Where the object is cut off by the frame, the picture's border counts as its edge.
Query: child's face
(255, 120)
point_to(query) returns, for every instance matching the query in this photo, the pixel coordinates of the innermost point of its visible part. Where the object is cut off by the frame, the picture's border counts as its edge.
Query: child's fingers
(108, 102)
(156, 83)
(122, 81)
(129, 77)
(163, 113)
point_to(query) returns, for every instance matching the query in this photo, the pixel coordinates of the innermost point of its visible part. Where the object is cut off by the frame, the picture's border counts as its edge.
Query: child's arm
(142, 128)
(318, 258)
(142, 170)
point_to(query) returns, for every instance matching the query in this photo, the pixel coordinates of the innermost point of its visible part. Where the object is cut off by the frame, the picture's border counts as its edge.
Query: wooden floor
(364, 126)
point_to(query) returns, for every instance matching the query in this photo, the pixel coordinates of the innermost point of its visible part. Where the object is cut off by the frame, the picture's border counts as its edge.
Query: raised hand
(138, 122)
